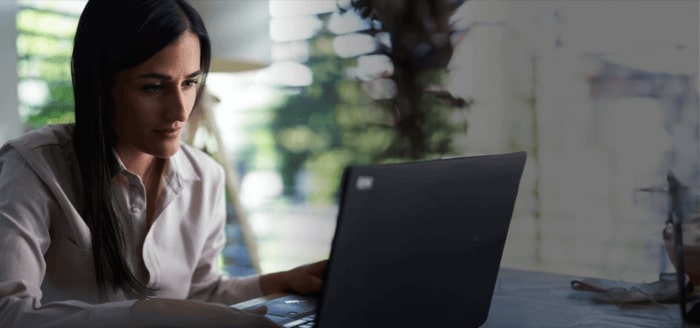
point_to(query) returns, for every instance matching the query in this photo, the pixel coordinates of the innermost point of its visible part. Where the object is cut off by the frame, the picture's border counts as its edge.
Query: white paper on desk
(621, 292)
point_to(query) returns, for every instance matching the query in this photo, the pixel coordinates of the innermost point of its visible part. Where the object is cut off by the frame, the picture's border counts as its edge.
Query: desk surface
(536, 299)
(527, 299)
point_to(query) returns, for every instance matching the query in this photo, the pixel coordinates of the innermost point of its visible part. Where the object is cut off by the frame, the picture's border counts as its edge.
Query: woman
(112, 221)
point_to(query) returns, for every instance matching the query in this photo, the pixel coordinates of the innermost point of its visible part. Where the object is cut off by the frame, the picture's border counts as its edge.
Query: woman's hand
(186, 313)
(303, 279)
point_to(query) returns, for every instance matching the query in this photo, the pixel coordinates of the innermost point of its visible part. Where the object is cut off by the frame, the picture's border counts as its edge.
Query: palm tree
(420, 47)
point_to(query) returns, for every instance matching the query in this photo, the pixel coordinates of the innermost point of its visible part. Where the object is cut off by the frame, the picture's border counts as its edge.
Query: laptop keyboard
(305, 322)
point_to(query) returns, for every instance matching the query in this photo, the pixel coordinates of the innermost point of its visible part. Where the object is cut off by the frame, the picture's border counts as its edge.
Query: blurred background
(603, 95)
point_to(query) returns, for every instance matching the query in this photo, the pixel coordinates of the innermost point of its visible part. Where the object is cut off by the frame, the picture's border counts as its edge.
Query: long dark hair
(113, 36)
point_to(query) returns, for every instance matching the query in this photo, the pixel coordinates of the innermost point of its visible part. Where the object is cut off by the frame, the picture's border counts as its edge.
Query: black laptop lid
(419, 244)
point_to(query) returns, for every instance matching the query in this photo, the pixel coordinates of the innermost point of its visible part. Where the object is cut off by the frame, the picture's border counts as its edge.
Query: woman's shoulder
(193, 161)
(48, 152)
(56, 135)
(50, 143)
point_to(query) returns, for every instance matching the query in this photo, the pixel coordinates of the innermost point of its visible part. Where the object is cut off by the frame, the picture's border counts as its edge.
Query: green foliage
(44, 45)
(304, 128)
(49, 23)
(334, 123)
(420, 50)
(327, 168)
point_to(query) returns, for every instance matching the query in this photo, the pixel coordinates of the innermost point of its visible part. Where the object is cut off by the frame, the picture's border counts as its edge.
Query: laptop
(416, 244)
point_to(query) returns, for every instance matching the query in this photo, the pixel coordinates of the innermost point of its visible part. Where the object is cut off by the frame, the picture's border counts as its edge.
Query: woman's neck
(150, 169)
(144, 165)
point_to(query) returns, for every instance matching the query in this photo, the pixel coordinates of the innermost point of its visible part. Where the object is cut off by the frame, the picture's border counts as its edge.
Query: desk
(525, 299)
(536, 299)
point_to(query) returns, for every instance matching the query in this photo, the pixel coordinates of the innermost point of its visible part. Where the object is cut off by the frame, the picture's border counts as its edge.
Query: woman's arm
(303, 279)
(208, 282)
(26, 204)
(188, 313)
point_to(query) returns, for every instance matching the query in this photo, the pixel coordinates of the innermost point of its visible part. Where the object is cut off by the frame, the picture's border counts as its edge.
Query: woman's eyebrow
(165, 77)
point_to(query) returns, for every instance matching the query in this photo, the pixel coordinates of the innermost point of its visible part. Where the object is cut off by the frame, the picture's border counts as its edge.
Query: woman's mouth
(169, 132)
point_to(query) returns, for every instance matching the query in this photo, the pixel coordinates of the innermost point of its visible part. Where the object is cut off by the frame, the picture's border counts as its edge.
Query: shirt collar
(180, 166)
(177, 168)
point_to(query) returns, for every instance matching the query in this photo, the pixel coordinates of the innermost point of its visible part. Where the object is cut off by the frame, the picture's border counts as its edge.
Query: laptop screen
(419, 243)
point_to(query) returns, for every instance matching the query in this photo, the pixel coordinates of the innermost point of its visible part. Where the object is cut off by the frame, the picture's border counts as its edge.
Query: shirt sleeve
(25, 209)
(209, 283)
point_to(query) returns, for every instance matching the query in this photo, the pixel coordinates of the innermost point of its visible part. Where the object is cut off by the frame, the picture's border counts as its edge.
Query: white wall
(576, 212)
(10, 125)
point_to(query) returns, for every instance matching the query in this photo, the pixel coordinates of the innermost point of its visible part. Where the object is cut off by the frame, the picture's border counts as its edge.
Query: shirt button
(136, 209)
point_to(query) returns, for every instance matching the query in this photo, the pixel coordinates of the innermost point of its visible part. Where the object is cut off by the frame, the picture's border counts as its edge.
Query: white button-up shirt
(47, 275)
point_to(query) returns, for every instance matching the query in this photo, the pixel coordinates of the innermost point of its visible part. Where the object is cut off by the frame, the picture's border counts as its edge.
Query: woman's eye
(153, 88)
(190, 83)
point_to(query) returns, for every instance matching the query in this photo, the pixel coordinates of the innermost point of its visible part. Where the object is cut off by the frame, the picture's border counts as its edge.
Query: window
(45, 31)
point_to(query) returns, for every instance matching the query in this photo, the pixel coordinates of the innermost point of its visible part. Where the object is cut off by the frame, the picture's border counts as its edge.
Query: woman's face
(154, 99)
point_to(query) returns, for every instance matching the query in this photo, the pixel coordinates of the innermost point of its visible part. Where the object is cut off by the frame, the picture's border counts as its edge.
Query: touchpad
(290, 306)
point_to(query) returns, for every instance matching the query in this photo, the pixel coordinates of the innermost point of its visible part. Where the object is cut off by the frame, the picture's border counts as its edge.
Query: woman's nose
(177, 108)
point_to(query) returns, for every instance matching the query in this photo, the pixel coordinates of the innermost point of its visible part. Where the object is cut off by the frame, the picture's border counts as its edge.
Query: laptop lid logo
(364, 182)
